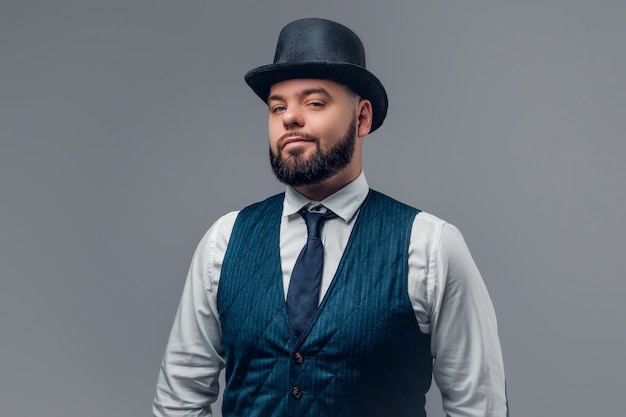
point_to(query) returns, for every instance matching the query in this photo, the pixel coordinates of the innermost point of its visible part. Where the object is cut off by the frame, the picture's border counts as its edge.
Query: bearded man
(330, 299)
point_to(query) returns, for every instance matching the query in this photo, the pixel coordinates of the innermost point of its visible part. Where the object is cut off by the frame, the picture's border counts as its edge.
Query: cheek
(331, 125)
(274, 133)
(331, 133)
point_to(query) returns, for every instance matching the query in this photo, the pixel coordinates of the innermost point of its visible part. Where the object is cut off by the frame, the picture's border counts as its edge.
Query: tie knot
(314, 221)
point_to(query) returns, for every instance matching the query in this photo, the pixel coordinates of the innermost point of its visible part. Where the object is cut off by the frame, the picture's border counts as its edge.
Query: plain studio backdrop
(126, 129)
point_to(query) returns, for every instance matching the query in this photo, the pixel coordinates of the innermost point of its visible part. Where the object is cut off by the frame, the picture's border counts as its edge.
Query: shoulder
(444, 245)
(219, 233)
(429, 223)
(223, 227)
(216, 238)
(436, 236)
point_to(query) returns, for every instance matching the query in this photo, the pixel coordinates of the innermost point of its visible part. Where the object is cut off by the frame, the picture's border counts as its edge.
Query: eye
(277, 109)
(316, 104)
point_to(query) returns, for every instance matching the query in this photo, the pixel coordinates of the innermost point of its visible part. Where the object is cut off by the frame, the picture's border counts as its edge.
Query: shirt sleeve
(188, 381)
(468, 366)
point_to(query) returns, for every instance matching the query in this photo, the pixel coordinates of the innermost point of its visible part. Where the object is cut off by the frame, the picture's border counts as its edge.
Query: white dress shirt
(449, 299)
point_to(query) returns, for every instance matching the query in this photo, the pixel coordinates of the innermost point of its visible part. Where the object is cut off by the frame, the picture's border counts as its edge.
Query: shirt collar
(344, 203)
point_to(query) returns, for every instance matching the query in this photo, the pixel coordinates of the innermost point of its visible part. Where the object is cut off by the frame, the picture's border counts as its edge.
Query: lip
(296, 140)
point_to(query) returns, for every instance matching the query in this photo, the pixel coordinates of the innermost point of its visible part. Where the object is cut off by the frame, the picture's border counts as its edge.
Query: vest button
(298, 358)
(296, 393)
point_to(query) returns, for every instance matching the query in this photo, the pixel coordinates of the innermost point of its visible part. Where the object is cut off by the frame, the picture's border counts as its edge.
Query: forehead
(301, 86)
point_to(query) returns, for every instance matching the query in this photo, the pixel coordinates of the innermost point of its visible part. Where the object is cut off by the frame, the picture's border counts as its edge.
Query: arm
(188, 381)
(468, 367)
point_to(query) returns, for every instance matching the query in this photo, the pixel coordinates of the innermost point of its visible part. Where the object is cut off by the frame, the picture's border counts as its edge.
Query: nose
(292, 117)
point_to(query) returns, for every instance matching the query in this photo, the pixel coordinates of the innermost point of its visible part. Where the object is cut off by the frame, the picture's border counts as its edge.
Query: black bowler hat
(320, 48)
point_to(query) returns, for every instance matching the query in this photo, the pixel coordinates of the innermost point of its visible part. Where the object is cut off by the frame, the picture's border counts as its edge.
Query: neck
(321, 190)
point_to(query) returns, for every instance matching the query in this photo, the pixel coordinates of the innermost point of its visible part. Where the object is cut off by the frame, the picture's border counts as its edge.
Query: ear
(365, 114)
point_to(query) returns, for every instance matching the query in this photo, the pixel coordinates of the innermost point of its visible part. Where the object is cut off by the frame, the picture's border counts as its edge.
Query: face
(313, 131)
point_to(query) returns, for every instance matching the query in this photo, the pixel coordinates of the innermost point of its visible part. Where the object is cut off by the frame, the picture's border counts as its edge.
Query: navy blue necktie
(304, 286)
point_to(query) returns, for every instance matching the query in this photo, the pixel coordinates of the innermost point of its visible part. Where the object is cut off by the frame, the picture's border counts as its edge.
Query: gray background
(126, 129)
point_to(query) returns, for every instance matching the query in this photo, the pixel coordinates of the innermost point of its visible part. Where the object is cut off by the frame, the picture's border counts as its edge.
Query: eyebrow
(303, 93)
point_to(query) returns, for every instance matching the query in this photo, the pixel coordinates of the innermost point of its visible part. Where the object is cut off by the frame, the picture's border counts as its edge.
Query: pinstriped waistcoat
(363, 353)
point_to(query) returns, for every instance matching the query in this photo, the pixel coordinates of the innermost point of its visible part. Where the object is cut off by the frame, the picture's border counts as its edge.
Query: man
(330, 299)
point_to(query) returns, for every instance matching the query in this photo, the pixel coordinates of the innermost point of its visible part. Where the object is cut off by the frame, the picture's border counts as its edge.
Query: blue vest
(363, 355)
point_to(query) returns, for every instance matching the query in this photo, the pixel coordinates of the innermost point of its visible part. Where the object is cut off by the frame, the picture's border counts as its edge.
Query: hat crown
(322, 49)
(318, 40)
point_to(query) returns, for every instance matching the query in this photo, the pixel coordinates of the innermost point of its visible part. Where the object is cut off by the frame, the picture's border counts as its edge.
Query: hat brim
(358, 79)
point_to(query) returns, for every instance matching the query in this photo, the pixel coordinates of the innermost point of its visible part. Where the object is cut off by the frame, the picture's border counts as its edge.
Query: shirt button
(296, 393)
(298, 358)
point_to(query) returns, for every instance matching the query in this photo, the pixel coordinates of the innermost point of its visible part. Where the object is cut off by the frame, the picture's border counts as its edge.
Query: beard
(296, 170)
